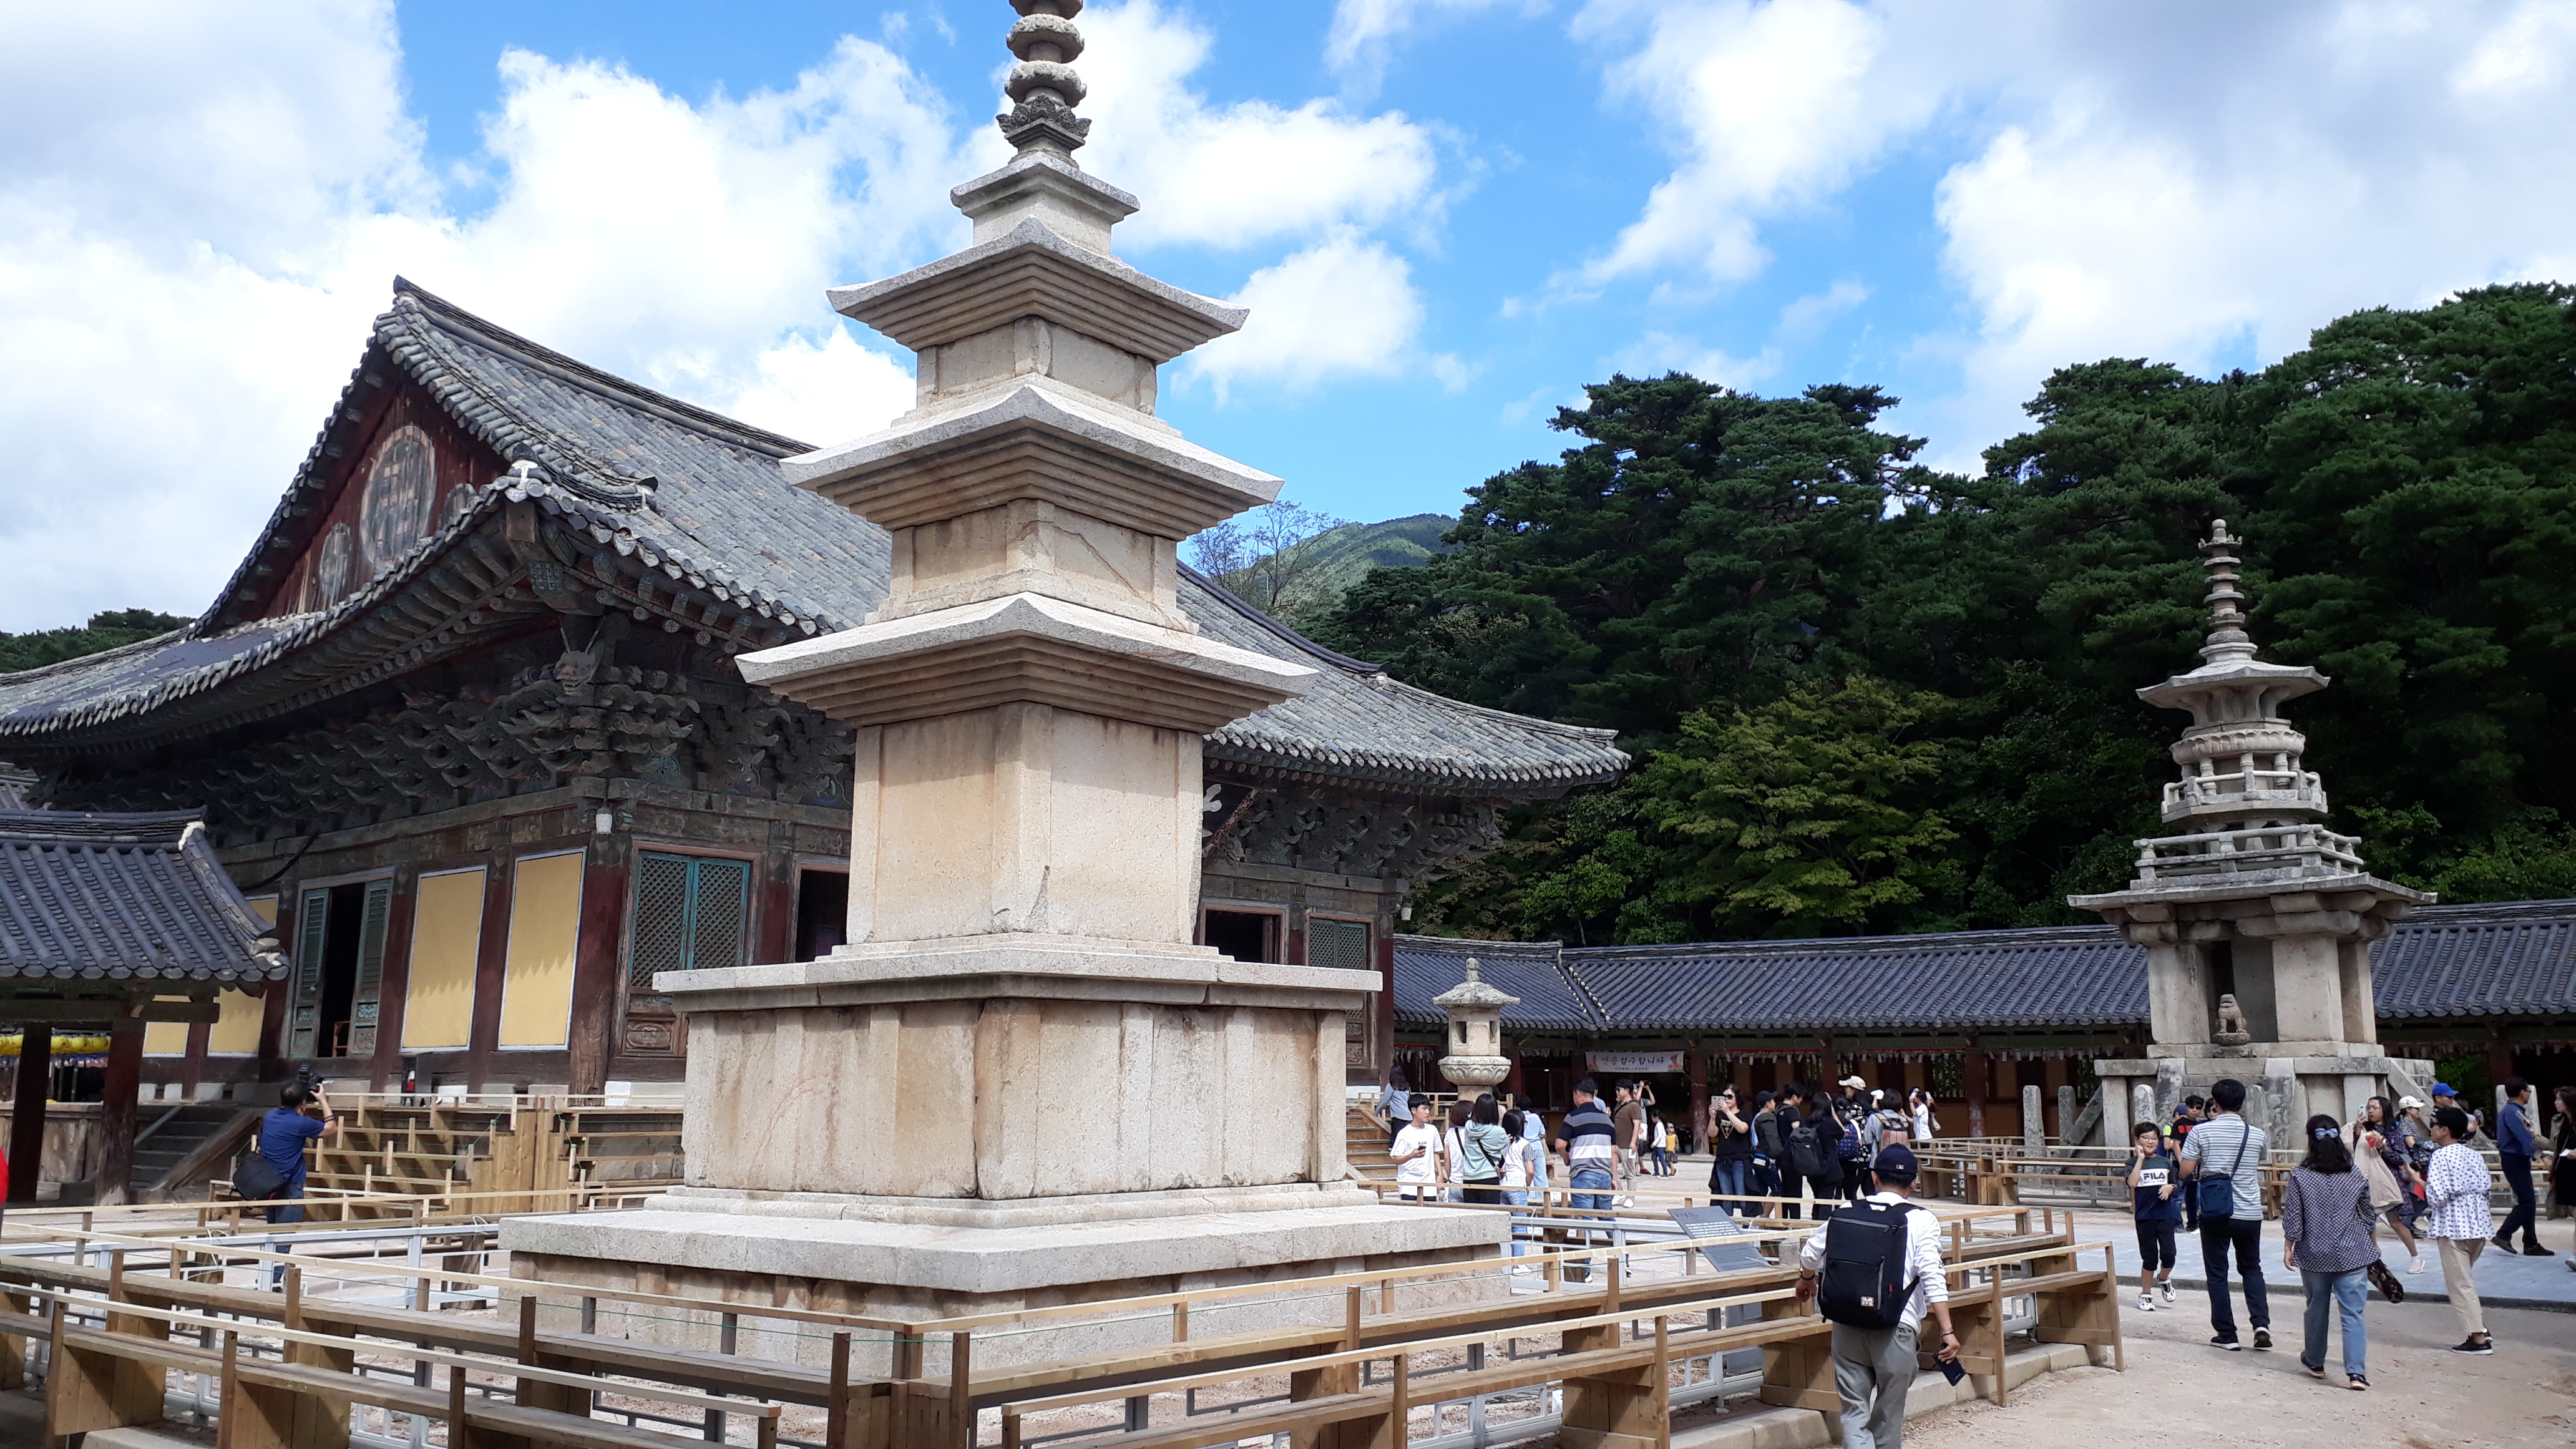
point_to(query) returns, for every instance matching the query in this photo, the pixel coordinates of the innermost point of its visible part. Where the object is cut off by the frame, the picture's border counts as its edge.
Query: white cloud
(1344, 306)
(1242, 173)
(1770, 106)
(1804, 317)
(812, 391)
(1657, 353)
(189, 259)
(2186, 182)
(1365, 33)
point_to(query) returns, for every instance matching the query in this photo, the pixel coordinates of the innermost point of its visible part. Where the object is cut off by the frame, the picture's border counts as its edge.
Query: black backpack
(1868, 1265)
(1808, 1155)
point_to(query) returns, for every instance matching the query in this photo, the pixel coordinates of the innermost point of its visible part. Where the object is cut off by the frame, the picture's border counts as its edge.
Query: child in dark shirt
(2152, 1185)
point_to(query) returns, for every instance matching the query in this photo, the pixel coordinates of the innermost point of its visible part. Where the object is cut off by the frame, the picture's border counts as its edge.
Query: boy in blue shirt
(2156, 1201)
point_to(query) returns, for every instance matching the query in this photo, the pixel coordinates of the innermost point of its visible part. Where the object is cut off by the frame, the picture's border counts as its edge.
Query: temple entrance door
(339, 970)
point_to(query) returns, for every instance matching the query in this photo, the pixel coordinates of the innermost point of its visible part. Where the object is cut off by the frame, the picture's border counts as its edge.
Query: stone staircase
(179, 1148)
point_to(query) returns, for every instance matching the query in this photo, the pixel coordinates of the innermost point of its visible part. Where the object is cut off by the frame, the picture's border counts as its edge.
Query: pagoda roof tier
(1030, 271)
(96, 898)
(641, 502)
(1026, 649)
(2271, 685)
(1035, 439)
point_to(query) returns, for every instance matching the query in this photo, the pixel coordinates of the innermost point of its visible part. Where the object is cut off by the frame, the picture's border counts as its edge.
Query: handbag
(2217, 1195)
(2385, 1281)
(256, 1179)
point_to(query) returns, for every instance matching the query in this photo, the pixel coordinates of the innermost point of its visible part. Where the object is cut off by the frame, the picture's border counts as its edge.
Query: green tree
(1701, 547)
(1800, 817)
(112, 629)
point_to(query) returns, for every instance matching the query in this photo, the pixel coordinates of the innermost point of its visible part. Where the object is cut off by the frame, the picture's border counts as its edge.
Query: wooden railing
(284, 1367)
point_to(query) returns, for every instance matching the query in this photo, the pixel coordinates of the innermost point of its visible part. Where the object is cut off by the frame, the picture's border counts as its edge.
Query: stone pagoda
(2256, 918)
(1019, 1082)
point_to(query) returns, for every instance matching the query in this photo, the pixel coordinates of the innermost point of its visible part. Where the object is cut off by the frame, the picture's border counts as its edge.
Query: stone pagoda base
(743, 1253)
(2285, 1082)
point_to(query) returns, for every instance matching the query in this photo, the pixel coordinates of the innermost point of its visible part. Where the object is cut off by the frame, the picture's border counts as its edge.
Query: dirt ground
(2180, 1391)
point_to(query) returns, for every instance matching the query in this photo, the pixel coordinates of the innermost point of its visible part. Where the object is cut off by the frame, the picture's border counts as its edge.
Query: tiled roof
(700, 499)
(14, 787)
(117, 897)
(2512, 959)
(2516, 958)
(1550, 1000)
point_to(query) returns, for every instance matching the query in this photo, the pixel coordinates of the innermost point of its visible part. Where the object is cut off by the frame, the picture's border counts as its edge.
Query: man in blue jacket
(2516, 1145)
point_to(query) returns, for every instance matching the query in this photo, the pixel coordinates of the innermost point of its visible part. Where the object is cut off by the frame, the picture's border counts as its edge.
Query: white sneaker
(2165, 1291)
(2415, 1264)
(2146, 1301)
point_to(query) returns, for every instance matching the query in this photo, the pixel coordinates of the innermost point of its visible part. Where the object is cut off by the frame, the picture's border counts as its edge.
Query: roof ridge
(449, 317)
(1226, 597)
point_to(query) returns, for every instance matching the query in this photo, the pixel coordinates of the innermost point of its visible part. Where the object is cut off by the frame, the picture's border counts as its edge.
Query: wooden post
(836, 1400)
(1973, 1081)
(27, 1114)
(594, 974)
(1698, 1061)
(961, 1389)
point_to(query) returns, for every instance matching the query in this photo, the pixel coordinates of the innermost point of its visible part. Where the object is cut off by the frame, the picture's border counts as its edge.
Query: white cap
(1854, 1083)
(2404, 1103)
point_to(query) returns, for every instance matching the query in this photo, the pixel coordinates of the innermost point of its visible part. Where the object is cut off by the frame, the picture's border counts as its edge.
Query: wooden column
(1698, 1062)
(1382, 1005)
(393, 980)
(192, 1067)
(1973, 1077)
(116, 1115)
(272, 1027)
(604, 893)
(27, 1116)
(490, 957)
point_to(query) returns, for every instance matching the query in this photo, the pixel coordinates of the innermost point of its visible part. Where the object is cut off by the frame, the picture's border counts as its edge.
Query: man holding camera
(283, 1131)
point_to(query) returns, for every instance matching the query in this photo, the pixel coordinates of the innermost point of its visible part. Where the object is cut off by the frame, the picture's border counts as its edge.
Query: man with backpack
(1808, 1134)
(2222, 1162)
(1875, 1270)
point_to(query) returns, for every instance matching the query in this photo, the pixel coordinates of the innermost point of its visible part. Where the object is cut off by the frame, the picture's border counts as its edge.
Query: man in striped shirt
(2458, 1191)
(2228, 1145)
(1587, 1140)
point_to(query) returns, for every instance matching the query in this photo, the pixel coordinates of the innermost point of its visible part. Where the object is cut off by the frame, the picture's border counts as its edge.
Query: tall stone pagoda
(1019, 1081)
(2256, 918)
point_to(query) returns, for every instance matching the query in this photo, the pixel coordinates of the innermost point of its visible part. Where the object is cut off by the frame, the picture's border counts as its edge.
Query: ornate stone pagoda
(2256, 918)
(1019, 1080)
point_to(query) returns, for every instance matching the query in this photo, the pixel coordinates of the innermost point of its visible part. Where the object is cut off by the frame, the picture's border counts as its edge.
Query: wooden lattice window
(692, 913)
(1337, 943)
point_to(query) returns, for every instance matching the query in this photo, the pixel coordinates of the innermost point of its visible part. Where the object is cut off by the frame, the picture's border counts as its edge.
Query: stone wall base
(911, 1272)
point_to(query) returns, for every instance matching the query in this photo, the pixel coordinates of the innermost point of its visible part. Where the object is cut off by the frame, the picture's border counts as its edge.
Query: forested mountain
(104, 631)
(1868, 696)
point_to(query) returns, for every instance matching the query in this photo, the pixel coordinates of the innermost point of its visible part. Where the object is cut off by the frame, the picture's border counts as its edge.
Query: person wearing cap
(1873, 1368)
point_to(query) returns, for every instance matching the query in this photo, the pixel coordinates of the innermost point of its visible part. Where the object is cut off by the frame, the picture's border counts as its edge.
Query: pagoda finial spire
(2228, 640)
(1043, 87)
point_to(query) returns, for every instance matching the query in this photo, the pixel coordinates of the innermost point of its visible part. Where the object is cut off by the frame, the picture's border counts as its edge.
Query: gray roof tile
(702, 497)
(2516, 958)
(116, 897)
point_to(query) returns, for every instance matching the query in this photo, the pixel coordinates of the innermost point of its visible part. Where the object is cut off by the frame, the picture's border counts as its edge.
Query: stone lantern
(1475, 1058)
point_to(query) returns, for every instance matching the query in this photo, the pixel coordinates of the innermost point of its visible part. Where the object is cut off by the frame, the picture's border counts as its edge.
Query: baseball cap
(2408, 1104)
(1895, 1163)
(2443, 1089)
(1854, 1083)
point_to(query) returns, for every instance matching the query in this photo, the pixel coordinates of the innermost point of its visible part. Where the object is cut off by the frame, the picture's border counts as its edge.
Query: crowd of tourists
(2409, 1167)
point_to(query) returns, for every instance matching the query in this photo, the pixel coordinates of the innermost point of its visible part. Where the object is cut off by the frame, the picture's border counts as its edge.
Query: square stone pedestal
(930, 1129)
(773, 1253)
(2285, 1082)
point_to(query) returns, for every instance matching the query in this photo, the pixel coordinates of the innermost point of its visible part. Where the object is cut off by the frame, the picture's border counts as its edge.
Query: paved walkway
(2504, 1281)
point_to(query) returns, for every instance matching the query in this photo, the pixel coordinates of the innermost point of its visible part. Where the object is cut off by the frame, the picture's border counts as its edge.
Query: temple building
(465, 727)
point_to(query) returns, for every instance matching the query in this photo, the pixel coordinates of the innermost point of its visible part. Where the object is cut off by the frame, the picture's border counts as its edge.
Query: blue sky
(1447, 215)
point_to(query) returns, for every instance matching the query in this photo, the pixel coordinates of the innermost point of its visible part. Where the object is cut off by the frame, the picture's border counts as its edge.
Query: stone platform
(761, 1255)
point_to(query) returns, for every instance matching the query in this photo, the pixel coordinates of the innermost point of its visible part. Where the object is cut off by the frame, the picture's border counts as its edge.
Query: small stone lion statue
(2231, 1023)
